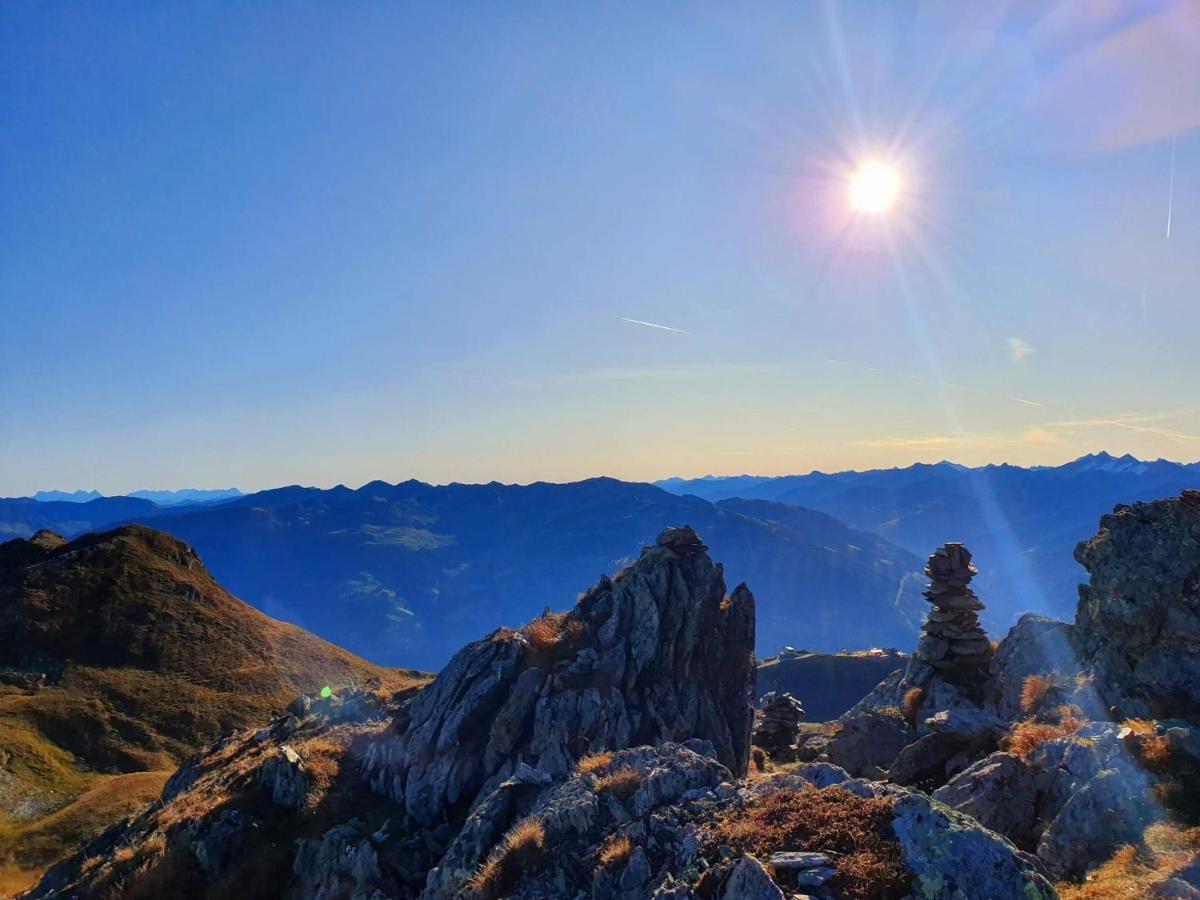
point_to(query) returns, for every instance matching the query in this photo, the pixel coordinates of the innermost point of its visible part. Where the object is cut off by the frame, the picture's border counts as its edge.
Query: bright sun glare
(873, 188)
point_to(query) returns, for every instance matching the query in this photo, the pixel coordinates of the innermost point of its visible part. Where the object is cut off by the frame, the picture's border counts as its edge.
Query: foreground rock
(660, 653)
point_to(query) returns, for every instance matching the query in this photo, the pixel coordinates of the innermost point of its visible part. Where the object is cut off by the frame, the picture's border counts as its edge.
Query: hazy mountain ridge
(1021, 523)
(409, 572)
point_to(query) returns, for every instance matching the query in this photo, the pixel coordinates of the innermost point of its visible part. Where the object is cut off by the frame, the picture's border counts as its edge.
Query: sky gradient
(260, 244)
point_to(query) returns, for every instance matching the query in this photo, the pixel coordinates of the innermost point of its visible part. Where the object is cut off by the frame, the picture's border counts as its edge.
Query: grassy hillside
(119, 657)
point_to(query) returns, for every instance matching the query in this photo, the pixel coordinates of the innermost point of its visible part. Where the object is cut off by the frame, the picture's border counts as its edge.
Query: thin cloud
(1019, 350)
(653, 325)
(1136, 423)
(1025, 402)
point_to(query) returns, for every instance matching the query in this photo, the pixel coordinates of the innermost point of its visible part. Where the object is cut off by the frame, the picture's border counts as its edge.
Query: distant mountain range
(162, 498)
(1022, 524)
(404, 574)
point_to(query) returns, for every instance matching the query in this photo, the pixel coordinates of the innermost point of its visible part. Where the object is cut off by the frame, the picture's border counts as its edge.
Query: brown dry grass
(1153, 749)
(522, 845)
(1133, 872)
(594, 763)
(759, 759)
(322, 760)
(914, 698)
(26, 849)
(855, 829)
(622, 783)
(553, 636)
(615, 850)
(1033, 692)
(1026, 737)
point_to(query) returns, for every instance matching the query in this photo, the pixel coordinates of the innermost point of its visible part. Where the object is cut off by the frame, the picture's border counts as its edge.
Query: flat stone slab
(798, 860)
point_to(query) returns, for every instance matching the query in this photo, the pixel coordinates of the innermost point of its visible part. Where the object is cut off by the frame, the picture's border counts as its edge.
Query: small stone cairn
(952, 640)
(778, 724)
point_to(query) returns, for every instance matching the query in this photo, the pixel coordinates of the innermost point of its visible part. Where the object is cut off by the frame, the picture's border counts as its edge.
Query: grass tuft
(1033, 692)
(594, 763)
(622, 783)
(1026, 737)
(520, 847)
(914, 699)
(615, 851)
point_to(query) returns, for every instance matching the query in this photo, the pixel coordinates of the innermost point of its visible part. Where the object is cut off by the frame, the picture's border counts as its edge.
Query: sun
(874, 188)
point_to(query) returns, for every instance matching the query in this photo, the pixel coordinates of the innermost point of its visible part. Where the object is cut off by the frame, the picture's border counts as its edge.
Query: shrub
(553, 636)
(519, 848)
(1026, 737)
(615, 850)
(1152, 748)
(911, 705)
(758, 756)
(594, 763)
(858, 830)
(1033, 692)
(622, 783)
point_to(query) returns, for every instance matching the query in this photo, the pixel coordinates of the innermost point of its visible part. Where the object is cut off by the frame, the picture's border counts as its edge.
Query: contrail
(1171, 190)
(653, 325)
(1027, 402)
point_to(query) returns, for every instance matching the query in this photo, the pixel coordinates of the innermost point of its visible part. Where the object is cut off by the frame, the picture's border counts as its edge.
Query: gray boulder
(951, 857)
(1112, 809)
(868, 742)
(1000, 792)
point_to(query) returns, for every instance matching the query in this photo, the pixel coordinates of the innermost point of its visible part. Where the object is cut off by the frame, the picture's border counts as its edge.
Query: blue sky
(257, 244)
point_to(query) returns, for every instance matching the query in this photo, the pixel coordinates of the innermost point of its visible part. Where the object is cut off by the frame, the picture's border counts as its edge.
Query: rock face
(659, 653)
(1138, 621)
(778, 723)
(952, 640)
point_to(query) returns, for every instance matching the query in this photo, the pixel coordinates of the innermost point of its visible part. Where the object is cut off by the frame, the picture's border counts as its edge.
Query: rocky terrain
(120, 656)
(609, 751)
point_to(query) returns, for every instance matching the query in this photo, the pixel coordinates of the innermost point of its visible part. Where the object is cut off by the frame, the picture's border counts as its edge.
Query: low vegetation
(914, 699)
(1026, 737)
(1134, 873)
(553, 636)
(520, 847)
(594, 763)
(615, 850)
(622, 784)
(832, 820)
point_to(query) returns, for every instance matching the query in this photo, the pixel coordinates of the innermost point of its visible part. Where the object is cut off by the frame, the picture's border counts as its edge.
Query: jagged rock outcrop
(1138, 621)
(659, 653)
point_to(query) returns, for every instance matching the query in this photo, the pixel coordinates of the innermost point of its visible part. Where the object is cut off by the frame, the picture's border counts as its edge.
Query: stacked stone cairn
(952, 640)
(778, 724)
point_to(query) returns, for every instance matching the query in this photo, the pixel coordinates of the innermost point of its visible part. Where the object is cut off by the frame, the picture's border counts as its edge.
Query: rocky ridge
(598, 752)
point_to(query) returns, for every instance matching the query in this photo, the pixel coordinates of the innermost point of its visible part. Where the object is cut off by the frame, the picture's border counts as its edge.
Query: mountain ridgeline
(405, 574)
(1021, 523)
